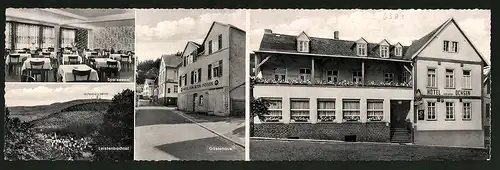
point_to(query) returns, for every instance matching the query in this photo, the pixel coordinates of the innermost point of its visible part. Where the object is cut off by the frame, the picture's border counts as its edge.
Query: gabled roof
(385, 41)
(307, 36)
(227, 25)
(322, 46)
(171, 60)
(191, 42)
(420, 44)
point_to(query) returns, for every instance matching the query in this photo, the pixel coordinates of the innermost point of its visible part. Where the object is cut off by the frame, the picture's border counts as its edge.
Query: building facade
(148, 89)
(487, 107)
(328, 88)
(168, 80)
(212, 74)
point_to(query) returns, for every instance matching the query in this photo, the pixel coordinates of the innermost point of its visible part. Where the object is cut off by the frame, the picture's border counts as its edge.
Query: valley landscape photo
(68, 122)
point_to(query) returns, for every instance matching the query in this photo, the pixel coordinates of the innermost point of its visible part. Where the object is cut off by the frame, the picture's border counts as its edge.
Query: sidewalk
(229, 127)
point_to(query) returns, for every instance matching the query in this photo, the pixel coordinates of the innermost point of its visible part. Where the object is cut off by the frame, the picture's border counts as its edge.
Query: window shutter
(210, 47)
(220, 41)
(199, 75)
(180, 81)
(220, 68)
(192, 77)
(209, 71)
(185, 79)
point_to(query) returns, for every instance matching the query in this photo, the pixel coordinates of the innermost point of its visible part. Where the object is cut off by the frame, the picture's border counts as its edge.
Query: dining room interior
(69, 45)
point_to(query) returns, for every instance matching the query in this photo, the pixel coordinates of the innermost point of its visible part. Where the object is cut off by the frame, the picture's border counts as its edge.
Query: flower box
(375, 118)
(300, 118)
(351, 118)
(272, 118)
(326, 118)
(342, 83)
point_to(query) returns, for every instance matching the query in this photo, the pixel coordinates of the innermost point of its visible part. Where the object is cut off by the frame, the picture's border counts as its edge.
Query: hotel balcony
(332, 72)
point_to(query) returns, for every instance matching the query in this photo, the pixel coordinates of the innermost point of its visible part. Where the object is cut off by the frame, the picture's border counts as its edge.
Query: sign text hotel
(436, 92)
(196, 86)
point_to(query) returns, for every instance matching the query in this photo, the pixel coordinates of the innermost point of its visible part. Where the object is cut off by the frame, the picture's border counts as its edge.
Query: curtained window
(375, 110)
(27, 36)
(275, 111)
(299, 110)
(326, 110)
(48, 39)
(67, 38)
(351, 110)
(8, 38)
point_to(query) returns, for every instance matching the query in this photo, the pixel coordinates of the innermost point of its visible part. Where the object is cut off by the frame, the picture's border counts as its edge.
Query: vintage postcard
(68, 121)
(69, 45)
(190, 84)
(367, 85)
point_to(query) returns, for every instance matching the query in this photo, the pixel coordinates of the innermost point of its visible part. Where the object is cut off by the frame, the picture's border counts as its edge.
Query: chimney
(336, 35)
(268, 31)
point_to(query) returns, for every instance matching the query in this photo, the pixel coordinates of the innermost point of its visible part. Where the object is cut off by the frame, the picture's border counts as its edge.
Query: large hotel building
(327, 88)
(212, 74)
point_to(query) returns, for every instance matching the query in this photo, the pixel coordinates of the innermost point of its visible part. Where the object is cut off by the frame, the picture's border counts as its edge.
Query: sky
(167, 31)
(30, 94)
(373, 25)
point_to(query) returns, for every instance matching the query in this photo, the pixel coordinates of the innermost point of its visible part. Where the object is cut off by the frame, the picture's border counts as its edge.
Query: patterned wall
(81, 38)
(118, 38)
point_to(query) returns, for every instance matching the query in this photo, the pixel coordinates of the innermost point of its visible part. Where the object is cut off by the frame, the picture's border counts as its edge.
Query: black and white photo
(366, 85)
(191, 84)
(69, 45)
(68, 121)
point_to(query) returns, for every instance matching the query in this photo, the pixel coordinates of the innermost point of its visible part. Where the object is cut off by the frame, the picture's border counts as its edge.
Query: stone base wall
(367, 132)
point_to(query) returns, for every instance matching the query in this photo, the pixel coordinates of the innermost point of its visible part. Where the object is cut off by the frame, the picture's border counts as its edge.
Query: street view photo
(69, 45)
(370, 85)
(68, 122)
(190, 82)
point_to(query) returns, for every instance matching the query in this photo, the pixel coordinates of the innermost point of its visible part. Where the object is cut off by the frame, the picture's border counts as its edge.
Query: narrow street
(163, 133)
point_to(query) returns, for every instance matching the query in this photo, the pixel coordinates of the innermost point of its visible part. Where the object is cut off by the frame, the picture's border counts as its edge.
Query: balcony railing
(342, 83)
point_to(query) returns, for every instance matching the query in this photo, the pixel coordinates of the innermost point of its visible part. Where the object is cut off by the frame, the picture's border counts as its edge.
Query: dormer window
(303, 46)
(384, 51)
(361, 49)
(399, 51)
(303, 42)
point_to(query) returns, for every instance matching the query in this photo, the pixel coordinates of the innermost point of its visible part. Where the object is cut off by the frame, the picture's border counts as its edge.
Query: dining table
(46, 64)
(65, 73)
(103, 62)
(118, 57)
(22, 56)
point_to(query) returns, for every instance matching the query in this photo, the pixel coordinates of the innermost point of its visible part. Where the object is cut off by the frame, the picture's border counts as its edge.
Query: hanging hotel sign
(196, 86)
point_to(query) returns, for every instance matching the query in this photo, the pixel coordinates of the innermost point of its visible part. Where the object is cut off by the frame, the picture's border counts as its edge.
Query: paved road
(162, 133)
(278, 150)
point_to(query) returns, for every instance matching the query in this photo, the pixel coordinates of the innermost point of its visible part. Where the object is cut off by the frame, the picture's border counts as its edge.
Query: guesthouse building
(356, 90)
(212, 74)
(168, 80)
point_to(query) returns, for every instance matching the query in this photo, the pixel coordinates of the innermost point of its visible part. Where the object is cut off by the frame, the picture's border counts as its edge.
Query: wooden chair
(46, 55)
(125, 61)
(81, 73)
(36, 69)
(110, 71)
(15, 64)
(73, 60)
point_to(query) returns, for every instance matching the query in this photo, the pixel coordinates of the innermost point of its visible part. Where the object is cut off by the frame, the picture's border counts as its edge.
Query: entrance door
(194, 101)
(399, 112)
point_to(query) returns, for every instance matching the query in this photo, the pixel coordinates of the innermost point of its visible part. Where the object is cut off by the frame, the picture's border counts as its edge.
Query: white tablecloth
(66, 72)
(66, 59)
(102, 62)
(21, 57)
(46, 64)
(118, 57)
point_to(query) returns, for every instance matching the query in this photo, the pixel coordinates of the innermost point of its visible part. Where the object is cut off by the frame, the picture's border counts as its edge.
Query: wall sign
(462, 92)
(207, 84)
(434, 92)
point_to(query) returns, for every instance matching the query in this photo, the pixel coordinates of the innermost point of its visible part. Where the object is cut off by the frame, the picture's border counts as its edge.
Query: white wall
(313, 93)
